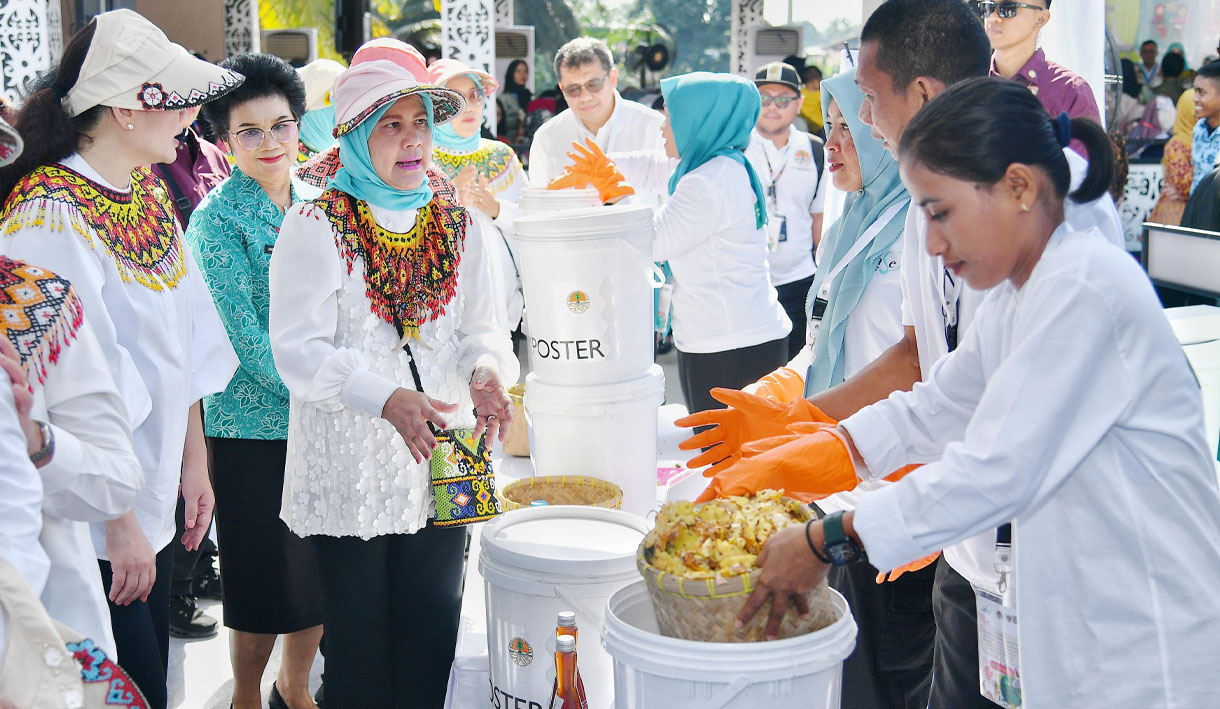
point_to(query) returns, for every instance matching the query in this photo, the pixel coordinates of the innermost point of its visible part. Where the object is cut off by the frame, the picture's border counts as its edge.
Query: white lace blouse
(348, 471)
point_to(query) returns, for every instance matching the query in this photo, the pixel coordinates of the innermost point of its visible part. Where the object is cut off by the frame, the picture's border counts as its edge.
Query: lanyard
(951, 299)
(774, 176)
(865, 240)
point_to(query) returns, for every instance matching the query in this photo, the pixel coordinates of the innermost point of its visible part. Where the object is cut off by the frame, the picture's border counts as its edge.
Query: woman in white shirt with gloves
(1068, 409)
(729, 327)
(382, 267)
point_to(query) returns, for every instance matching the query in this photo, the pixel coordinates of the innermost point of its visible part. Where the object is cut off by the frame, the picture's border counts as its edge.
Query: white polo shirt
(793, 186)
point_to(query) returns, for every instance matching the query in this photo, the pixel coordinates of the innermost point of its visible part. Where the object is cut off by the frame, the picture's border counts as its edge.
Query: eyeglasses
(475, 95)
(592, 86)
(781, 102)
(1007, 10)
(252, 138)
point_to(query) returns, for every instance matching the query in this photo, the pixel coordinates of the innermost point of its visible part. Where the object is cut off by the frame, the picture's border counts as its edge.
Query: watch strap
(832, 528)
(44, 454)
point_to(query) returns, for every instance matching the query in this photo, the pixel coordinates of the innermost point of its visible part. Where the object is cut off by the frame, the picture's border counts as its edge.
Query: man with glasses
(1012, 29)
(789, 164)
(589, 83)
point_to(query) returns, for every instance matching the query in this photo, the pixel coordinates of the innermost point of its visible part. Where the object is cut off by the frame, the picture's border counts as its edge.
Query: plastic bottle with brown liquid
(568, 693)
(565, 624)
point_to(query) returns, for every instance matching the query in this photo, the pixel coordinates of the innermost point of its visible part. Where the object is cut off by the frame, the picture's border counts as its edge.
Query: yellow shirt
(811, 110)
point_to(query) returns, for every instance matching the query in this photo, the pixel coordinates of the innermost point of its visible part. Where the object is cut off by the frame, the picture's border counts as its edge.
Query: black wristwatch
(837, 546)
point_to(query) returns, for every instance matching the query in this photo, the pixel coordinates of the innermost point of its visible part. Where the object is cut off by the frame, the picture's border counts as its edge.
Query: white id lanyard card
(999, 663)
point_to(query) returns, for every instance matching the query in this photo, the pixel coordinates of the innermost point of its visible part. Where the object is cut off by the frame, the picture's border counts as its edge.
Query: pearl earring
(130, 127)
(1024, 207)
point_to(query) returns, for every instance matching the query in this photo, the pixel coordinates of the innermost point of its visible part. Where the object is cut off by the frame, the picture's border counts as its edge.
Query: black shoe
(317, 697)
(275, 701)
(187, 621)
(207, 585)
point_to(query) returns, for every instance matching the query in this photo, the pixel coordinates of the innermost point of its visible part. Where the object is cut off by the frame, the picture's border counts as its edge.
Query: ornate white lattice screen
(241, 27)
(24, 48)
(746, 14)
(470, 38)
(504, 12)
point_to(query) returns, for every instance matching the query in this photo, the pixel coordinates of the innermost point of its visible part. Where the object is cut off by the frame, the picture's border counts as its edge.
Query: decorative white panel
(470, 38)
(24, 51)
(241, 27)
(55, 31)
(1140, 194)
(746, 14)
(504, 12)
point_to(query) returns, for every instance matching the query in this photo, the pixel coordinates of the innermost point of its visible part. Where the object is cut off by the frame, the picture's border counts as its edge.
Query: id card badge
(999, 663)
(777, 230)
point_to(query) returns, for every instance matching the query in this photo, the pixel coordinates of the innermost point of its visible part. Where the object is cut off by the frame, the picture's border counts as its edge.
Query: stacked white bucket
(592, 395)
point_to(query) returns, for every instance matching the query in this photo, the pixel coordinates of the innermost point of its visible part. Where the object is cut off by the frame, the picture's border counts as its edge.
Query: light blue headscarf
(712, 115)
(359, 178)
(446, 137)
(882, 189)
(317, 128)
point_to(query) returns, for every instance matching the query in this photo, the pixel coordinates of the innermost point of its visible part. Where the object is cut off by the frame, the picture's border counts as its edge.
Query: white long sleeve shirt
(1069, 409)
(632, 126)
(166, 349)
(926, 298)
(791, 174)
(348, 471)
(723, 298)
(20, 499)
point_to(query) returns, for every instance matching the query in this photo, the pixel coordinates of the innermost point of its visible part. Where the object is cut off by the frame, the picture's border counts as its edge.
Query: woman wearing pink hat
(488, 177)
(383, 329)
(81, 201)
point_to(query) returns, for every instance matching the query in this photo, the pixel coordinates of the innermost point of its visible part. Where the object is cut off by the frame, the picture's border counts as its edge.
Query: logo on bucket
(521, 652)
(578, 301)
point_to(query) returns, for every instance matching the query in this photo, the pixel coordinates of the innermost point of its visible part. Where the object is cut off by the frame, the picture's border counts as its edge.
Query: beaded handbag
(463, 482)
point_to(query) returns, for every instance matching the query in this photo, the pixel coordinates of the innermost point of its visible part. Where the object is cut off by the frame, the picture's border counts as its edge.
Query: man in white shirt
(789, 163)
(589, 82)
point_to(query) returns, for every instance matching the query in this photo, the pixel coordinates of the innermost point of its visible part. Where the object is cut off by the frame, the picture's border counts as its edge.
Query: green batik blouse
(232, 233)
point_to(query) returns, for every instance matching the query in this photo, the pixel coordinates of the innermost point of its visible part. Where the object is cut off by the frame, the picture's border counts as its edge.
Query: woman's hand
(409, 412)
(133, 562)
(474, 191)
(492, 408)
(789, 570)
(23, 395)
(197, 496)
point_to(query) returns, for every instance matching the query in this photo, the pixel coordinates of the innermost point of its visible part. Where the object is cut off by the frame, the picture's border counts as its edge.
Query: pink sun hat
(368, 86)
(394, 50)
(443, 71)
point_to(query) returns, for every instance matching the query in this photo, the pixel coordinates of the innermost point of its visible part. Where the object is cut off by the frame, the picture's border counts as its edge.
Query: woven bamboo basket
(562, 490)
(706, 609)
(517, 442)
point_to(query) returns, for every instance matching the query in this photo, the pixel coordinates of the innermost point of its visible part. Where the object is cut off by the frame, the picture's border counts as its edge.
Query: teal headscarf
(882, 189)
(359, 178)
(712, 115)
(317, 128)
(446, 137)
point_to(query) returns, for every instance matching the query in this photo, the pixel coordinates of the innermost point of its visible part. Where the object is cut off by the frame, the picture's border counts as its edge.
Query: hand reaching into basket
(591, 168)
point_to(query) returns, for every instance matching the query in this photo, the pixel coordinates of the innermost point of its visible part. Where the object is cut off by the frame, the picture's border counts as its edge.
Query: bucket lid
(567, 540)
(535, 200)
(650, 387)
(588, 223)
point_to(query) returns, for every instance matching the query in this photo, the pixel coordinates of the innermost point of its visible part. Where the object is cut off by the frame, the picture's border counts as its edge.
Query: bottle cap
(565, 643)
(537, 503)
(567, 619)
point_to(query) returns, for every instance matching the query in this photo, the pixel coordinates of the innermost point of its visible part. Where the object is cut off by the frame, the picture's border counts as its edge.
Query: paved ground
(199, 672)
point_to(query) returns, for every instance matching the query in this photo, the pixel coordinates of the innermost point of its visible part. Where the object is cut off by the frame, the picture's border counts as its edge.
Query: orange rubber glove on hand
(748, 418)
(782, 386)
(913, 566)
(807, 467)
(591, 168)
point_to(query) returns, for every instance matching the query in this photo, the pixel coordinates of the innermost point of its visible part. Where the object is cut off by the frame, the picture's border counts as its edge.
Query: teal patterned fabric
(232, 234)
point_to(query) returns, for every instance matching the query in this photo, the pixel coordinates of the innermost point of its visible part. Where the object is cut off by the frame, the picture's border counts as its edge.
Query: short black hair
(811, 72)
(1211, 70)
(975, 130)
(939, 39)
(1147, 42)
(1173, 65)
(266, 75)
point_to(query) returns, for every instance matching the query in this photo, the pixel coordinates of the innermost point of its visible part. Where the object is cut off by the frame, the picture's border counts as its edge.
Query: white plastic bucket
(536, 200)
(606, 431)
(535, 563)
(587, 275)
(651, 670)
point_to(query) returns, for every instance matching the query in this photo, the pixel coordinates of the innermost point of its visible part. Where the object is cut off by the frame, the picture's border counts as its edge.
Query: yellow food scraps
(722, 537)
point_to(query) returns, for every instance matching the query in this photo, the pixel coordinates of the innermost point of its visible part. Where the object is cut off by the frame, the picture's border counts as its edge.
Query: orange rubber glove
(783, 385)
(591, 168)
(748, 417)
(913, 566)
(807, 467)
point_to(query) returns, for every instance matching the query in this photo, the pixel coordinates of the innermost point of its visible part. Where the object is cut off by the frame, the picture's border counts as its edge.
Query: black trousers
(732, 369)
(955, 675)
(891, 667)
(141, 631)
(187, 564)
(390, 606)
(792, 298)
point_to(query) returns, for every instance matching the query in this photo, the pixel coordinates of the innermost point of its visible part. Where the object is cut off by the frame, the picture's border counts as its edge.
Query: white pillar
(746, 15)
(241, 27)
(25, 49)
(469, 36)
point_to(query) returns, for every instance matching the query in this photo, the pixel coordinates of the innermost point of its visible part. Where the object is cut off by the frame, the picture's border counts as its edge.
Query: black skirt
(268, 576)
